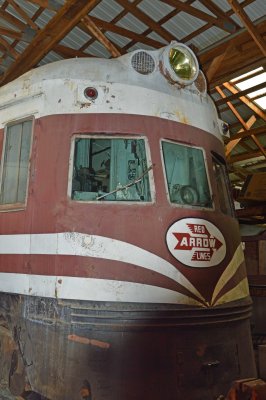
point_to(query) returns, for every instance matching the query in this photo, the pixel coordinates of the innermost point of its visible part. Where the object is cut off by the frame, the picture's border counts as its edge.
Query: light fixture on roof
(180, 64)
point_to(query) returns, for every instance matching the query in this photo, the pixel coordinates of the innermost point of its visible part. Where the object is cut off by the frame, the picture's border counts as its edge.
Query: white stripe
(79, 244)
(90, 289)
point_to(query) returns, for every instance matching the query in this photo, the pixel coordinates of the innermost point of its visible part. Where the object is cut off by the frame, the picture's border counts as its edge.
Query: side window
(186, 175)
(222, 184)
(110, 169)
(15, 163)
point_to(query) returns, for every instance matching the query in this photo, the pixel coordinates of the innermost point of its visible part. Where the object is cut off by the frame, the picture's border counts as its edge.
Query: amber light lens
(183, 63)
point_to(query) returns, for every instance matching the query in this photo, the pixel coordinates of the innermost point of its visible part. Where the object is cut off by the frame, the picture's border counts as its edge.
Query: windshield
(110, 169)
(186, 175)
(222, 185)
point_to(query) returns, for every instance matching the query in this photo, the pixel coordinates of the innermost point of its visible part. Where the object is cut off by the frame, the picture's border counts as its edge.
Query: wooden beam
(243, 57)
(246, 133)
(23, 14)
(65, 20)
(241, 93)
(11, 33)
(216, 63)
(235, 140)
(216, 10)
(67, 52)
(237, 40)
(50, 5)
(162, 21)
(12, 20)
(195, 12)
(111, 27)
(244, 157)
(97, 33)
(258, 144)
(145, 19)
(246, 101)
(209, 25)
(113, 22)
(12, 52)
(232, 108)
(239, 10)
(251, 211)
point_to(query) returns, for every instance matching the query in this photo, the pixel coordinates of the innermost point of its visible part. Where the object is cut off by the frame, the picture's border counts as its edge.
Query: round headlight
(180, 64)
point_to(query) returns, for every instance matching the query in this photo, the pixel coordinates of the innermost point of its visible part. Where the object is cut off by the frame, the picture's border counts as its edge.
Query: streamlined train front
(121, 269)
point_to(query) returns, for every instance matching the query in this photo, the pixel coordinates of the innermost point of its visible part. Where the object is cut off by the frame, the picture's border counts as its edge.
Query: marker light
(180, 64)
(91, 93)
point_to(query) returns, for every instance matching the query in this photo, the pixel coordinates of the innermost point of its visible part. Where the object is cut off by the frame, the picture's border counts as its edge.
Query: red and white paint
(196, 242)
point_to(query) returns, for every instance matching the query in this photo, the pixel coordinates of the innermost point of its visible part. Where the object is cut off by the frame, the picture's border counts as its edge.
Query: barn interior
(228, 37)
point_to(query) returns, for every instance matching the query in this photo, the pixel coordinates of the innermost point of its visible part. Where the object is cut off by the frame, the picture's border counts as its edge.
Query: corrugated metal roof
(155, 9)
(182, 25)
(179, 26)
(106, 10)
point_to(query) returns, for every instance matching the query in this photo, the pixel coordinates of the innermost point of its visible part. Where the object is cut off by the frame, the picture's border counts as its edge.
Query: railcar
(121, 269)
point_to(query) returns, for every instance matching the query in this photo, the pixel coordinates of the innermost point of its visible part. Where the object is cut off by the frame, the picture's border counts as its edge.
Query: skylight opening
(251, 82)
(247, 74)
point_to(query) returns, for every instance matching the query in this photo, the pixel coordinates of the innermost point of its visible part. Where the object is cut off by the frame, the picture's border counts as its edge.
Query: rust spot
(92, 342)
(85, 105)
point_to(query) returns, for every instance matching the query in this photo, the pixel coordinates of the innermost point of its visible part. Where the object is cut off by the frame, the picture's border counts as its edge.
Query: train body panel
(120, 258)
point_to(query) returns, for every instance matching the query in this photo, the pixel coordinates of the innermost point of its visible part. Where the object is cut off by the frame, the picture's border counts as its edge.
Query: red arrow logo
(200, 239)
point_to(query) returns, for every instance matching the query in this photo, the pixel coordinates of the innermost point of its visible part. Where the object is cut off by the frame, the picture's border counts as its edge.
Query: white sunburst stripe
(90, 289)
(84, 245)
(229, 272)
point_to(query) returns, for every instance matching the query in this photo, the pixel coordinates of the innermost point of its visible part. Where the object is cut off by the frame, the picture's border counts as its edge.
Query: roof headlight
(180, 64)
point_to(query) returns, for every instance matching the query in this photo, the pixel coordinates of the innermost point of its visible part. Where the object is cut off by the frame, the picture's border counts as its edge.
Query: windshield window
(186, 175)
(110, 169)
(222, 185)
(15, 163)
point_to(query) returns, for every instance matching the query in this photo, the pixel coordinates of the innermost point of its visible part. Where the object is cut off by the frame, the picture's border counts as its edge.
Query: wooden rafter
(108, 26)
(195, 12)
(12, 20)
(23, 14)
(145, 19)
(237, 61)
(240, 93)
(66, 18)
(233, 56)
(246, 133)
(246, 101)
(216, 63)
(51, 5)
(248, 24)
(219, 13)
(97, 33)
(244, 156)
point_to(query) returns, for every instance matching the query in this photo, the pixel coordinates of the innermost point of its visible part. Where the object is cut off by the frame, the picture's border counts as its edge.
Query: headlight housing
(180, 64)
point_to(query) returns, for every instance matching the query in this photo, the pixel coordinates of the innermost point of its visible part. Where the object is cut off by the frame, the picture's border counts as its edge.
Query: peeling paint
(92, 342)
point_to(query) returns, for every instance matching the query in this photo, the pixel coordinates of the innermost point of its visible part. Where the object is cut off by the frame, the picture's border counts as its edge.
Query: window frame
(194, 207)
(19, 206)
(220, 160)
(110, 136)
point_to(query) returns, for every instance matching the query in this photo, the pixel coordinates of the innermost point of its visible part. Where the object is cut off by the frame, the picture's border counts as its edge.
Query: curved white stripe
(80, 244)
(90, 289)
(238, 292)
(230, 270)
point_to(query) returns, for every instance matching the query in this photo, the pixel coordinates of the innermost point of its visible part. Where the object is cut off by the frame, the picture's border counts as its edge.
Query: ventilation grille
(143, 63)
(200, 83)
